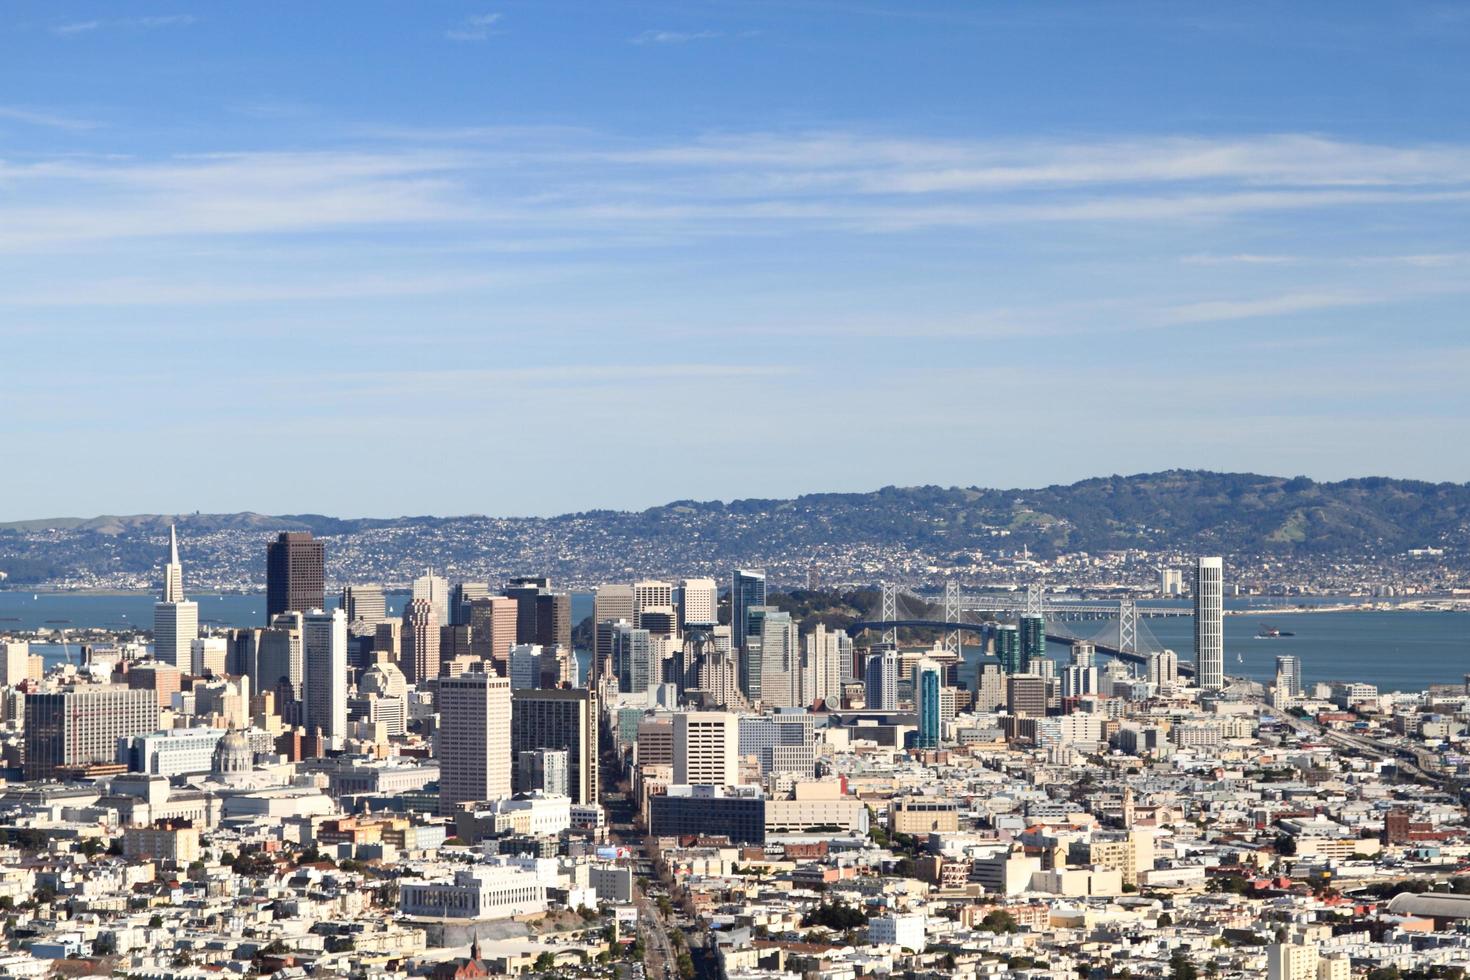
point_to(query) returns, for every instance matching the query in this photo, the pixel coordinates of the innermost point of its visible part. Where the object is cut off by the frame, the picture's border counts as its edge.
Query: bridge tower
(952, 615)
(890, 613)
(1034, 600)
(1127, 626)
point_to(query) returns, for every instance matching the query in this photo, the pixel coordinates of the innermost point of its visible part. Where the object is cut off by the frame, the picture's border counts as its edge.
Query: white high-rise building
(435, 589)
(473, 742)
(706, 748)
(175, 619)
(1289, 676)
(881, 681)
(701, 605)
(1163, 669)
(366, 606)
(1209, 623)
(324, 670)
(1171, 582)
(651, 593)
(822, 666)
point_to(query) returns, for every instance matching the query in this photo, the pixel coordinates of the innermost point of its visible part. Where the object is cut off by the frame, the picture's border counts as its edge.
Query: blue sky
(530, 257)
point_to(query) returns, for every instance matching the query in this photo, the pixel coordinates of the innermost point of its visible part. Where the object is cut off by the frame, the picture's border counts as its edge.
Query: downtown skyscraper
(175, 619)
(1209, 623)
(295, 574)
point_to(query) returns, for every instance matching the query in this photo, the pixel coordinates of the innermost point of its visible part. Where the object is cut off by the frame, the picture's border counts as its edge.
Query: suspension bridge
(1123, 631)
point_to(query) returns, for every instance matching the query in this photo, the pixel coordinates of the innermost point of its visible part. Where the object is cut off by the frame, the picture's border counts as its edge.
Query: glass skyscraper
(1033, 641)
(1008, 648)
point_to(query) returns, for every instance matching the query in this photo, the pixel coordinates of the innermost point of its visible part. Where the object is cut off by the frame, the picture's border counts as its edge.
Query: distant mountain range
(845, 535)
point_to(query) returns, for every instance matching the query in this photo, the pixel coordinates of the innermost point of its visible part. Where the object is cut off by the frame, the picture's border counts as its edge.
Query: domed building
(233, 754)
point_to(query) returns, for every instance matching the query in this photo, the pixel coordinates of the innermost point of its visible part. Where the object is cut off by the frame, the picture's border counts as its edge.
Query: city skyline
(380, 222)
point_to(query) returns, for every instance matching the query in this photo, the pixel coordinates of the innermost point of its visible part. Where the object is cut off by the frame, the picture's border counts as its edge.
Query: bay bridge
(1123, 631)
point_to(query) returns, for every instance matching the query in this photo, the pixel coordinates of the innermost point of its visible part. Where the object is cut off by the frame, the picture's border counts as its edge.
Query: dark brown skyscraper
(295, 574)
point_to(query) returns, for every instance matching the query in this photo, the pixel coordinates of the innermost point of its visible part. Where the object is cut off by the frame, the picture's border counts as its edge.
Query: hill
(853, 537)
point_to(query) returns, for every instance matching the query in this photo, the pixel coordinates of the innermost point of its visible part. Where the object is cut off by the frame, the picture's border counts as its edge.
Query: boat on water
(1272, 633)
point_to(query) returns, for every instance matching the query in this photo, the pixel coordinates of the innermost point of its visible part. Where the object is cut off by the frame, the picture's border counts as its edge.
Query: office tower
(612, 603)
(461, 594)
(651, 593)
(207, 655)
(659, 620)
(699, 602)
(473, 743)
(15, 663)
(525, 666)
(553, 620)
(1026, 695)
(1209, 623)
(633, 659)
(928, 699)
(782, 742)
(1084, 654)
(434, 589)
(705, 744)
(780, 683)
(365, 606)
(455, 641)
(243, 658)
(295, 574)
(1008, 648)
(1171, 582)
(1033, 640)
(81, 726)
(1289, 676)
(752, 655)
(524, 589)
(822, 669)
(492, 621)
(747, 590)
(990, 688)
(162, 680)
(175, 619)
(719, 678)
(420, 660)
(175, 627)
(1163, 669)
(564, 720)
(880, 681)
(388, 640)
(173, 570)
(280, 659)
(1079, 681)
(324, 652)
(543, 770)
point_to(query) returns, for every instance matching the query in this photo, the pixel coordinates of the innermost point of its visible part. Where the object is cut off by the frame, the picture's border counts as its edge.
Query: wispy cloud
(566, 183)
(476, 28)
(48, 120)
(673, 37)
(74, 28)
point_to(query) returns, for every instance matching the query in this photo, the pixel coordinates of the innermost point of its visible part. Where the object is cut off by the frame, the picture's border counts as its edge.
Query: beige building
(473, 741)
(176, 841)
(706, 745)
(923, 815)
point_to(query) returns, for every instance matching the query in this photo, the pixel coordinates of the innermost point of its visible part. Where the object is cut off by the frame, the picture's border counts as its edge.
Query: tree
(545, 962)
(155, 922)
(104, 945)
(1165, 919)
(1286, 845)
(1181, 967)
(999, 921)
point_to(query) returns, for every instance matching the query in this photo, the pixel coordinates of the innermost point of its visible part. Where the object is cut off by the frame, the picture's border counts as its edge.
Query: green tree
(1181, 967)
